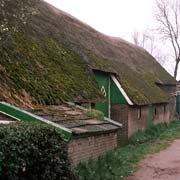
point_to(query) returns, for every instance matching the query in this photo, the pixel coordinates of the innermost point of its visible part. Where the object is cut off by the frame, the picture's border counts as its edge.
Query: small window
(93, 105)
(155, 111)
(139, 113)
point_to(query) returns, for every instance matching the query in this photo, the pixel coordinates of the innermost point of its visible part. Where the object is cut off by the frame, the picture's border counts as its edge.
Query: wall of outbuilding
(119, 113)
(91, 147)
(137, 119)
(171, 90)
(159, 113)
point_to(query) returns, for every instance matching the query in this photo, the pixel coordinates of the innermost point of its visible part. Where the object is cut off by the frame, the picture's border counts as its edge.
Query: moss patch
(95, 114)
(47, 70)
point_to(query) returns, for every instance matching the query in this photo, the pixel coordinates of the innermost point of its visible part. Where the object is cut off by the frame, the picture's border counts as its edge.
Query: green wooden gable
(115, 94)
(104, 85)
(110, 91)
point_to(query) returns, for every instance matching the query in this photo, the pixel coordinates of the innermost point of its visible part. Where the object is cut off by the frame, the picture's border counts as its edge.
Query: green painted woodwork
(116, 96)
(150, 116)
(23, 115)
(111, 92)
(103, 82)
(178, 104)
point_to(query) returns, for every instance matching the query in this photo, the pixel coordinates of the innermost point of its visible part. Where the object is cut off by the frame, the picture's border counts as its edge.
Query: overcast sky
(112, 17)
(119, 18)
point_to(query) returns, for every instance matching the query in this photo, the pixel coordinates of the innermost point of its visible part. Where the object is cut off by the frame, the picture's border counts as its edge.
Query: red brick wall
(119, 113)
(170, 89)
(90, 148)
(162, 113)
(136, 123)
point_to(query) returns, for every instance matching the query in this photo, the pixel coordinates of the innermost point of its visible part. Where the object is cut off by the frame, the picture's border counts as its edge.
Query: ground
(160, 166)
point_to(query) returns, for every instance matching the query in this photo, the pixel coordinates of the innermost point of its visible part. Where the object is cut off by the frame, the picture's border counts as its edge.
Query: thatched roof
(50, 58)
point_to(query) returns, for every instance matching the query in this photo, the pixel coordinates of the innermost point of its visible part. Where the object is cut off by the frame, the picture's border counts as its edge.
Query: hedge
(30, 151)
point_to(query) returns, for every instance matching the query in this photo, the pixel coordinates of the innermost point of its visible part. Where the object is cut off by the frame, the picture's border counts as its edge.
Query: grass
(123, 161)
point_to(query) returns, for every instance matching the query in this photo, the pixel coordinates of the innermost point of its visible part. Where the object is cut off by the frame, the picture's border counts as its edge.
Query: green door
(103, 82)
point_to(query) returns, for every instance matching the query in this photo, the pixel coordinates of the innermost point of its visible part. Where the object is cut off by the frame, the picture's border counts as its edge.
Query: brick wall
(170, 89)
(137, 119)
(162, 113)
(90, 148)
(119, 113)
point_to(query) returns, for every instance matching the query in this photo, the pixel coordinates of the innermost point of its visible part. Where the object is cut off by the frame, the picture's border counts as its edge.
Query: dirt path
(161, 166)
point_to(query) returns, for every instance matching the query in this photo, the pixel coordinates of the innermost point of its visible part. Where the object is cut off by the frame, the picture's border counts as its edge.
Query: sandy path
(161, 166)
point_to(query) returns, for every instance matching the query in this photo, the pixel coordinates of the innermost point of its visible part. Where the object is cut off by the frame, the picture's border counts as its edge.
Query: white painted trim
(121, 90)
(113, 122)
(37, 117)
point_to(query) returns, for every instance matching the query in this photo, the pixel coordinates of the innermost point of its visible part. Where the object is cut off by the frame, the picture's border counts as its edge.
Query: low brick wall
(91, 147)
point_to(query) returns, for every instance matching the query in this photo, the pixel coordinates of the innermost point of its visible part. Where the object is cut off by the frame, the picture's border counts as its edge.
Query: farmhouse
(136, 115)
(51, 58)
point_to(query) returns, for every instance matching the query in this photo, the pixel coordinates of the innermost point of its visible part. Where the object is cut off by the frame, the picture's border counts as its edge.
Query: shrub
(30, 151)
(95, 114)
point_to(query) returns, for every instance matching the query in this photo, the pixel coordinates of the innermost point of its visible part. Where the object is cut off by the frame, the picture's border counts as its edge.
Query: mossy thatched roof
(48, 57)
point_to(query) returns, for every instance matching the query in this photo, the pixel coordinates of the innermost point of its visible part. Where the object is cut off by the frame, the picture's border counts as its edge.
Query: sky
(118, 18)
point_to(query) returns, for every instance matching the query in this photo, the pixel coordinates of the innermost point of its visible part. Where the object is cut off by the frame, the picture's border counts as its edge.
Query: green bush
(95, 114)
(30, 151)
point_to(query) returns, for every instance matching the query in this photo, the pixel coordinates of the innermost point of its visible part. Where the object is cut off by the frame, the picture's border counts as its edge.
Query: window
(93, 105)
(139, 113)
(155, 111)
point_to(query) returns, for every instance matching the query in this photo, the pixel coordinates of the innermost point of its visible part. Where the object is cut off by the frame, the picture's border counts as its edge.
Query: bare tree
(148, 41)
(145, 40)
(168, 17)
(135, 37)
